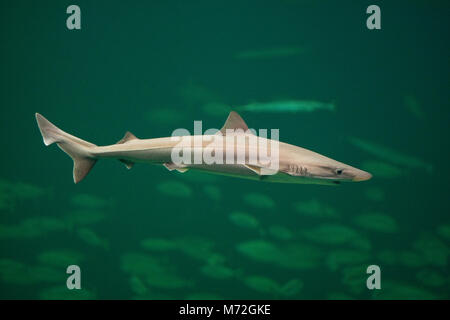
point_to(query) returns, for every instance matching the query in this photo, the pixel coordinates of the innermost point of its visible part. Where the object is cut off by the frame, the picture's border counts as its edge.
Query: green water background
(132, 60)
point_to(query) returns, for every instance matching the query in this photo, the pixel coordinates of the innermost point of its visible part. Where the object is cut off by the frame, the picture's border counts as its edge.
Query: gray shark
(295, 164)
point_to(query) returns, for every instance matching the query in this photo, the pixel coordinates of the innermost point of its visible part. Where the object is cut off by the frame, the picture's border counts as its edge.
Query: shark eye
(339, 171)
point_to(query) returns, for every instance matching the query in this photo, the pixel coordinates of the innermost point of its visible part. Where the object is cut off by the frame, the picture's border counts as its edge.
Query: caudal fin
(76, 148)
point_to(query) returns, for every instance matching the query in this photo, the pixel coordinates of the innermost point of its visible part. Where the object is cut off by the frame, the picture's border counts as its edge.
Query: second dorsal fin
(127, 137)
(234, 121)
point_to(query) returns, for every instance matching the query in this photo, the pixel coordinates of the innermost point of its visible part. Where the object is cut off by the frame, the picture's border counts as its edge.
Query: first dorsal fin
(127, 137)
(234, 121)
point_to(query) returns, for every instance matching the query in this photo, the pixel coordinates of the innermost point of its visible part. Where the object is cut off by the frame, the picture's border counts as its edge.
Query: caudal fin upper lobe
(76, 148)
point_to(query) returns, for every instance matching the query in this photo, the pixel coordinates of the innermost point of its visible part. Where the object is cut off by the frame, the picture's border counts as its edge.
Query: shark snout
(362, 176)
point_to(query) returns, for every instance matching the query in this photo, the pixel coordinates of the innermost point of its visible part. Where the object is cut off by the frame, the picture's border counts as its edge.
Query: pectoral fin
(172, 166)
(127, 163)
(261, 171)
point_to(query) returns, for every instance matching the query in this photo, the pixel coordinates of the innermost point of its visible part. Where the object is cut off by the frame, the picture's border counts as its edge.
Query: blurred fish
(32, 227)
(174, 188)
(279, 52)
(82, 217)
(294, 256)
(243, 220)
(262, 284)
(339, 296)
(390, 155)
(315, 209)
(291, 288)
(92, 238)
(431, 278)
(374, 194)
(17, 273)
(212, 192)
(198, 176)
(60, 258)
(290, 106)
(433, 250)
(355, 277)
(382, 169)
(60, 292)
(331, 234)
(164, 116)
(413, 106)
(203, 296)
(197, 94)
(361, 242)
(216, 109)
(388, 257)
(89, 201)
(261, 250)
(48, 274)
(281, 233)
(393, 290)
(159, 244)
(411, 259)
(21, 190)
(217, 270)
(137, 286)
(259, 200)
(197, 248)
(153, 295)
(152, 271)
(339, 258)
(300, 256)
(376, 222)
(444, 231)
(13, 192)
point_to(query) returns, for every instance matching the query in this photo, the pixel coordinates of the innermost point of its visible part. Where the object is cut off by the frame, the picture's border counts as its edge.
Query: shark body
(296, 164)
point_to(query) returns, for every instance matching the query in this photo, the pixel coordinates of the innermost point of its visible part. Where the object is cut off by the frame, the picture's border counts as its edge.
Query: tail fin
(76, 148)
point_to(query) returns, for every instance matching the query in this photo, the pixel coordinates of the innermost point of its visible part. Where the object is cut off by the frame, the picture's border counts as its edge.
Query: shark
(295, 164)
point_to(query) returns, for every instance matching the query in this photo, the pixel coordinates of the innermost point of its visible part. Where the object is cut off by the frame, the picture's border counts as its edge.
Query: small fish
(60, 258)
(392, 290)
(390, 155)
(315, 209)
(382, 169)
(345, 257)
(175, 189)
(154, 272)
(84, 200)
(280, 233)
(92, 238)
(377, 222)
(60, 292)
(262, 284)
(431, 278)
(259, 200)
(413, 106)
(32, 227)
(279, 52)
(287, 106)
(243, 220)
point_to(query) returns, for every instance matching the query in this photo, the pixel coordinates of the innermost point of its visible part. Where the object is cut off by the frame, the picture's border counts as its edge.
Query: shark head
(316, 168)
(335, 172)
